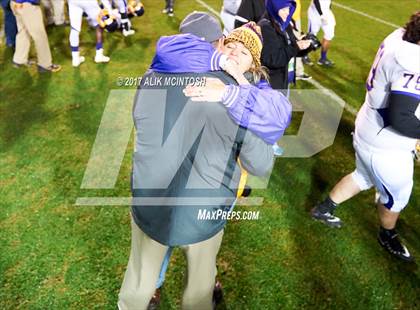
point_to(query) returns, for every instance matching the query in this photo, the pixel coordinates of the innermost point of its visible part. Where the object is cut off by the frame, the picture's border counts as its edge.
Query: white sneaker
(277, 150)
(77, 61)
(169, 11)
(127, 33)
(100, 57)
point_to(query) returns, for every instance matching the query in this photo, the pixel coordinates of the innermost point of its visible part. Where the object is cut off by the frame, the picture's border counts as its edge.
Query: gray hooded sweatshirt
(186, 159)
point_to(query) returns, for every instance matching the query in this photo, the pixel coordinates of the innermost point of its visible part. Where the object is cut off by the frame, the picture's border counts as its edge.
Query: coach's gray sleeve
(256, 156)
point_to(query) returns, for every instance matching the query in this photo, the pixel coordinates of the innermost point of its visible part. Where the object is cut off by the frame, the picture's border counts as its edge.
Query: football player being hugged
(321, 16)
(385, 138)
(98, 17)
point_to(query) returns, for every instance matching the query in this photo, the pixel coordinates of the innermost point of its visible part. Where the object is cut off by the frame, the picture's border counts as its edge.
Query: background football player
(125, 23)
(135, 8)
(228, 13)
(321, 16)
(169, 7)
(93, 11)
(386, 134)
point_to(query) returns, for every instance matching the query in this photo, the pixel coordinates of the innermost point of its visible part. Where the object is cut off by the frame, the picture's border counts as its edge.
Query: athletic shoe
(278, 151)
(28, 64)
(127, 33)
(303, 77)
(307, 61)
(52, 69)
(100, 57)
(76, 61)
(247, 191)
(169, 11)
(327, 218)
(390, 242)
(217, 294)
(155, 301)
(64, 24)
(325, 62)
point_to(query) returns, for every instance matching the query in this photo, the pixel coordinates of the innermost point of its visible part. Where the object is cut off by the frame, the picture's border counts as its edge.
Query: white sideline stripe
(334, 96)
(328, 92)
(208, 7)
(345, 7)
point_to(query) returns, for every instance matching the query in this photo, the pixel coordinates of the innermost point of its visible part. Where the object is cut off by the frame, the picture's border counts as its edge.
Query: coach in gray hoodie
(185, 168)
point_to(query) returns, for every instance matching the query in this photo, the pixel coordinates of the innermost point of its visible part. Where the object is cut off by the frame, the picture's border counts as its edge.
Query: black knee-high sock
(124, 21)
(170, 4)
(327, 205)
(389, 233)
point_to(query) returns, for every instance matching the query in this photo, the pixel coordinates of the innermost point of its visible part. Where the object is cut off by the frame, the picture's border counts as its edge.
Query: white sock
(75, 55)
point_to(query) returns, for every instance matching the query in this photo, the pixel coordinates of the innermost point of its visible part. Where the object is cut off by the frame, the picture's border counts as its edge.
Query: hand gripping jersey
(396, 70)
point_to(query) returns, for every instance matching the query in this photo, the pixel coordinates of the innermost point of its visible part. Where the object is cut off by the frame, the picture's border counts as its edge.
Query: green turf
(55, 255)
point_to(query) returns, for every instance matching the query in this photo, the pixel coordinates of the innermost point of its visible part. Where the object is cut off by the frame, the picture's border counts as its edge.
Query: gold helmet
(135, 8)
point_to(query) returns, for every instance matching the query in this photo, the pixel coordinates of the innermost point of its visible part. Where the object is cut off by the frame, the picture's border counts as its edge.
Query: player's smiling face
(237, 52)
(284, 13)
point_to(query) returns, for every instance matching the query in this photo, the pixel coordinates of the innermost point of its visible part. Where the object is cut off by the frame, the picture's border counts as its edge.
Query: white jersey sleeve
(373, 129)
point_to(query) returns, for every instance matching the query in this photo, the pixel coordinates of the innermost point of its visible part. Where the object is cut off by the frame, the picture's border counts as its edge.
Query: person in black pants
(169, 7)
(280, 44)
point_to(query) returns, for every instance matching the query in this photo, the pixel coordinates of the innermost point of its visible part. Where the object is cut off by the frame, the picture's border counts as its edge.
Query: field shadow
(60, 48)
(320, 175)
(113, 41)
(173, 22)
(144, 42)
(360, 229)
(7, 58)
(84, 117)
(22, 108)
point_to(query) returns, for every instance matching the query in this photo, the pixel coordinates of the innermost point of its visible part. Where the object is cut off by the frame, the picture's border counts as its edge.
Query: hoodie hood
(273, 7)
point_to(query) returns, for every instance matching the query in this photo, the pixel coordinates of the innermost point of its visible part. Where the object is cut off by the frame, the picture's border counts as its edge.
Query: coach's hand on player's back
(303, 44)
(213, 91)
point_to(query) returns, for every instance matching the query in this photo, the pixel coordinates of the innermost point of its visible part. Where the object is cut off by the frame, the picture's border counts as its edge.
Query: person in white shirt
(320, 16)
(92, 10)
(228, 13)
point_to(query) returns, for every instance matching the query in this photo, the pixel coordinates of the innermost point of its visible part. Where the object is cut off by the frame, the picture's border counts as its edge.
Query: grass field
(55, 255)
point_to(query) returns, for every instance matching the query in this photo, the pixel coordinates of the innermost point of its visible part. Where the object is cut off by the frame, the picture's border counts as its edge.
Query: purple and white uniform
(76, 10)
(384, 156)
